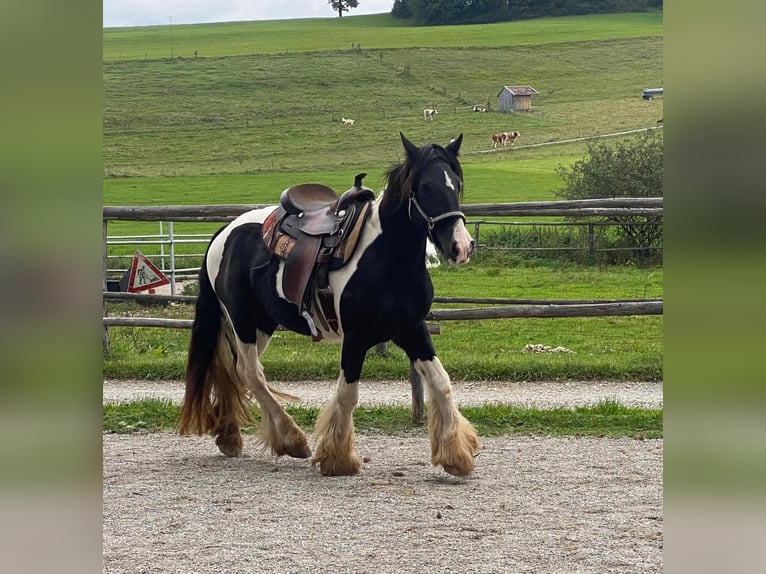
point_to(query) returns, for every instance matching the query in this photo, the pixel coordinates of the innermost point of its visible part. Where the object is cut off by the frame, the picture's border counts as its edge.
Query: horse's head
(435, 184)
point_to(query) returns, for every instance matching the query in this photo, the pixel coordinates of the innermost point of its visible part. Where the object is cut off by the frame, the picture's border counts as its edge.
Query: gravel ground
(534, 504)
(568, 505)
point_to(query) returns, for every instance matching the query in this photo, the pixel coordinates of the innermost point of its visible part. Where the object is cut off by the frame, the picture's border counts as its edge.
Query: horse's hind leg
(278, 430)
(228, 409)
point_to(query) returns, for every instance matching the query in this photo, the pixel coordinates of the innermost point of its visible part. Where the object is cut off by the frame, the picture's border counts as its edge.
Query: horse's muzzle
(462, 245)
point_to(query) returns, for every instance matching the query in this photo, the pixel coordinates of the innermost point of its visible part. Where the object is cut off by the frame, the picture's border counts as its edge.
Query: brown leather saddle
(314, 231)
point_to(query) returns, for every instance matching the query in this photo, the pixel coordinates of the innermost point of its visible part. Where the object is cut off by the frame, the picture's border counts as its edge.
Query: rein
(431, 221)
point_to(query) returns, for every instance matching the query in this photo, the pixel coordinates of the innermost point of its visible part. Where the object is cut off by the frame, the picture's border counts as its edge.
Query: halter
(431, 221)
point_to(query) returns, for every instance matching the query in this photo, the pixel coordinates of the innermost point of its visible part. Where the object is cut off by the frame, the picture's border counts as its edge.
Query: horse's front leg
(334, 430)
(454, 441)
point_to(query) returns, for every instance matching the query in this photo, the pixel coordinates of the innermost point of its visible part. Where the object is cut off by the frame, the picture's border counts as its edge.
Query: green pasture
(371, 32)
(603, 348)
(271, 110)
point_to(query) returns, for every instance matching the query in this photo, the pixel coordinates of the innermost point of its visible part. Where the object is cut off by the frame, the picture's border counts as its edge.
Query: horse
(510, 137)
(479, 110)
(347, 121)
(428, 114)
(498, 138)
(383, 292)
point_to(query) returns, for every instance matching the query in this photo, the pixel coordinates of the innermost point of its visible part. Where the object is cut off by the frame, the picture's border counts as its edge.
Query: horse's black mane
(402, 176)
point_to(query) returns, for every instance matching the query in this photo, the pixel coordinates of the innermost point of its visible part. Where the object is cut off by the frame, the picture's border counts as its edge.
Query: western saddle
(314, 231)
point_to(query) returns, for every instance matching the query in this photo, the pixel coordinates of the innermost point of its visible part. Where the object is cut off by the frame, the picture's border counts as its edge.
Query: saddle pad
(284, 245)
(268, 227)
(347, 247)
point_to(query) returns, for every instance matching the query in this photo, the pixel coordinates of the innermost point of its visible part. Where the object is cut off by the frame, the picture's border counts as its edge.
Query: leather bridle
(431, 221)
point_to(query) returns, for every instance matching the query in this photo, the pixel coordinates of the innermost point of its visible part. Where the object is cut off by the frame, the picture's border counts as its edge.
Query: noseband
(431, 221)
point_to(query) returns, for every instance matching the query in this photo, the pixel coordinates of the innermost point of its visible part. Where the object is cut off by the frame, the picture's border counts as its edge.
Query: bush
(632, 168)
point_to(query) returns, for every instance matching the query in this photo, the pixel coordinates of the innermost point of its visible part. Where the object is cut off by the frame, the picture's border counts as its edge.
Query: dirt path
(534, 504)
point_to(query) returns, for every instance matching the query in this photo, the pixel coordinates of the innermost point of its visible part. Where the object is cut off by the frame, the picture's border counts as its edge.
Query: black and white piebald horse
(383, 293)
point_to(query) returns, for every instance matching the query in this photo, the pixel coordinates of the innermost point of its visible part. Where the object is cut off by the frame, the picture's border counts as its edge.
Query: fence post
(172, 259)
(591, 247)
(162, 250)
(105, 332)
(476, 237)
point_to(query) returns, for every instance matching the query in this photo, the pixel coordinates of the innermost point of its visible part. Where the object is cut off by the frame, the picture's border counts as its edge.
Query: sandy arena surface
(534, 504)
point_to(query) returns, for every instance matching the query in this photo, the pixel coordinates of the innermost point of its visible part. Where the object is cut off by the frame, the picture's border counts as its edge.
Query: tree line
(439, 12)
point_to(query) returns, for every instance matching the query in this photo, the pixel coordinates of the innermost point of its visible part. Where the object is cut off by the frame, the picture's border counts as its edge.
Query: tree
(341, 6)
(401, 9)
(628, 169)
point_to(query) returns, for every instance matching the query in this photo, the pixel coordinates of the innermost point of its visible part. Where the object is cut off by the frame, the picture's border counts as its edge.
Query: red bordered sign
(144, 274)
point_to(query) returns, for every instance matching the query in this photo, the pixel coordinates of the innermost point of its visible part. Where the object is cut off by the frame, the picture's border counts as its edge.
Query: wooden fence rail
(646, 206)
(144, 298)
(505, 312)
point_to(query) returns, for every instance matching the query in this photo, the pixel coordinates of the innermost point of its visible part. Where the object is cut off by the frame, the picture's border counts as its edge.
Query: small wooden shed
(516, 98)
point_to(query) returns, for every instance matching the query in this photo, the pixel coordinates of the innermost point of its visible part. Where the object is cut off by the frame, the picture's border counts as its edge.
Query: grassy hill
(267, 97)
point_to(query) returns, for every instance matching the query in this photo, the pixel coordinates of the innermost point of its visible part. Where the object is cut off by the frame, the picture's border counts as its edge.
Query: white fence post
(172, 259)
(162, 250)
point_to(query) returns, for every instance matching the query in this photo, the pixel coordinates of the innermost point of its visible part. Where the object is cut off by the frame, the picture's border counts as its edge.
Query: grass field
(372, 32)
(266, 109)
(606, 419)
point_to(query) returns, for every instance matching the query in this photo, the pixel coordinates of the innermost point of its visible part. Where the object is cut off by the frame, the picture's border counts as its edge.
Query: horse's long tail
(195, 411)
(214, 394)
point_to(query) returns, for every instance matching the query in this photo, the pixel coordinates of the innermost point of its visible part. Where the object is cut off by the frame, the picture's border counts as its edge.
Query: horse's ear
(409, 147)
(454, 145)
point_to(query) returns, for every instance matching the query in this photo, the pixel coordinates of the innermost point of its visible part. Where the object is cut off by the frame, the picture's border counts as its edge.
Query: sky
(118, 13)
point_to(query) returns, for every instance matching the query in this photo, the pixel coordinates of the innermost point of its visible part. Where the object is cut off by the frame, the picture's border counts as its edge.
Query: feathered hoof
(335, 467)
(230, 445)
(456, 456)
(298, 451)
(463, 470)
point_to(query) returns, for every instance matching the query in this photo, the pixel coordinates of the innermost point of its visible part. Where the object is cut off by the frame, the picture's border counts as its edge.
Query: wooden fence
(648, 208)
(500, 309)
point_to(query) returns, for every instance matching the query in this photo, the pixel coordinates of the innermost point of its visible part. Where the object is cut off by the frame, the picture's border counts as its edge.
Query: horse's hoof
(230, 445)
(300, 451)
(349, 467)
(457, 470)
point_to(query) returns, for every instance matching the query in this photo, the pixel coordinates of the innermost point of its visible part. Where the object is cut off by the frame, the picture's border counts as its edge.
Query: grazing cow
(347, 121)
(504, 138)
(428, 114)
(479, 110)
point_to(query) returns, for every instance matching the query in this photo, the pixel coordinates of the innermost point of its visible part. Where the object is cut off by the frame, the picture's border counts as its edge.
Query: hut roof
(520, 91)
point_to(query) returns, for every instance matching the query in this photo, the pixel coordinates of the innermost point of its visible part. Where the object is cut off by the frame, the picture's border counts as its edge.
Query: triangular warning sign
(144, 274)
